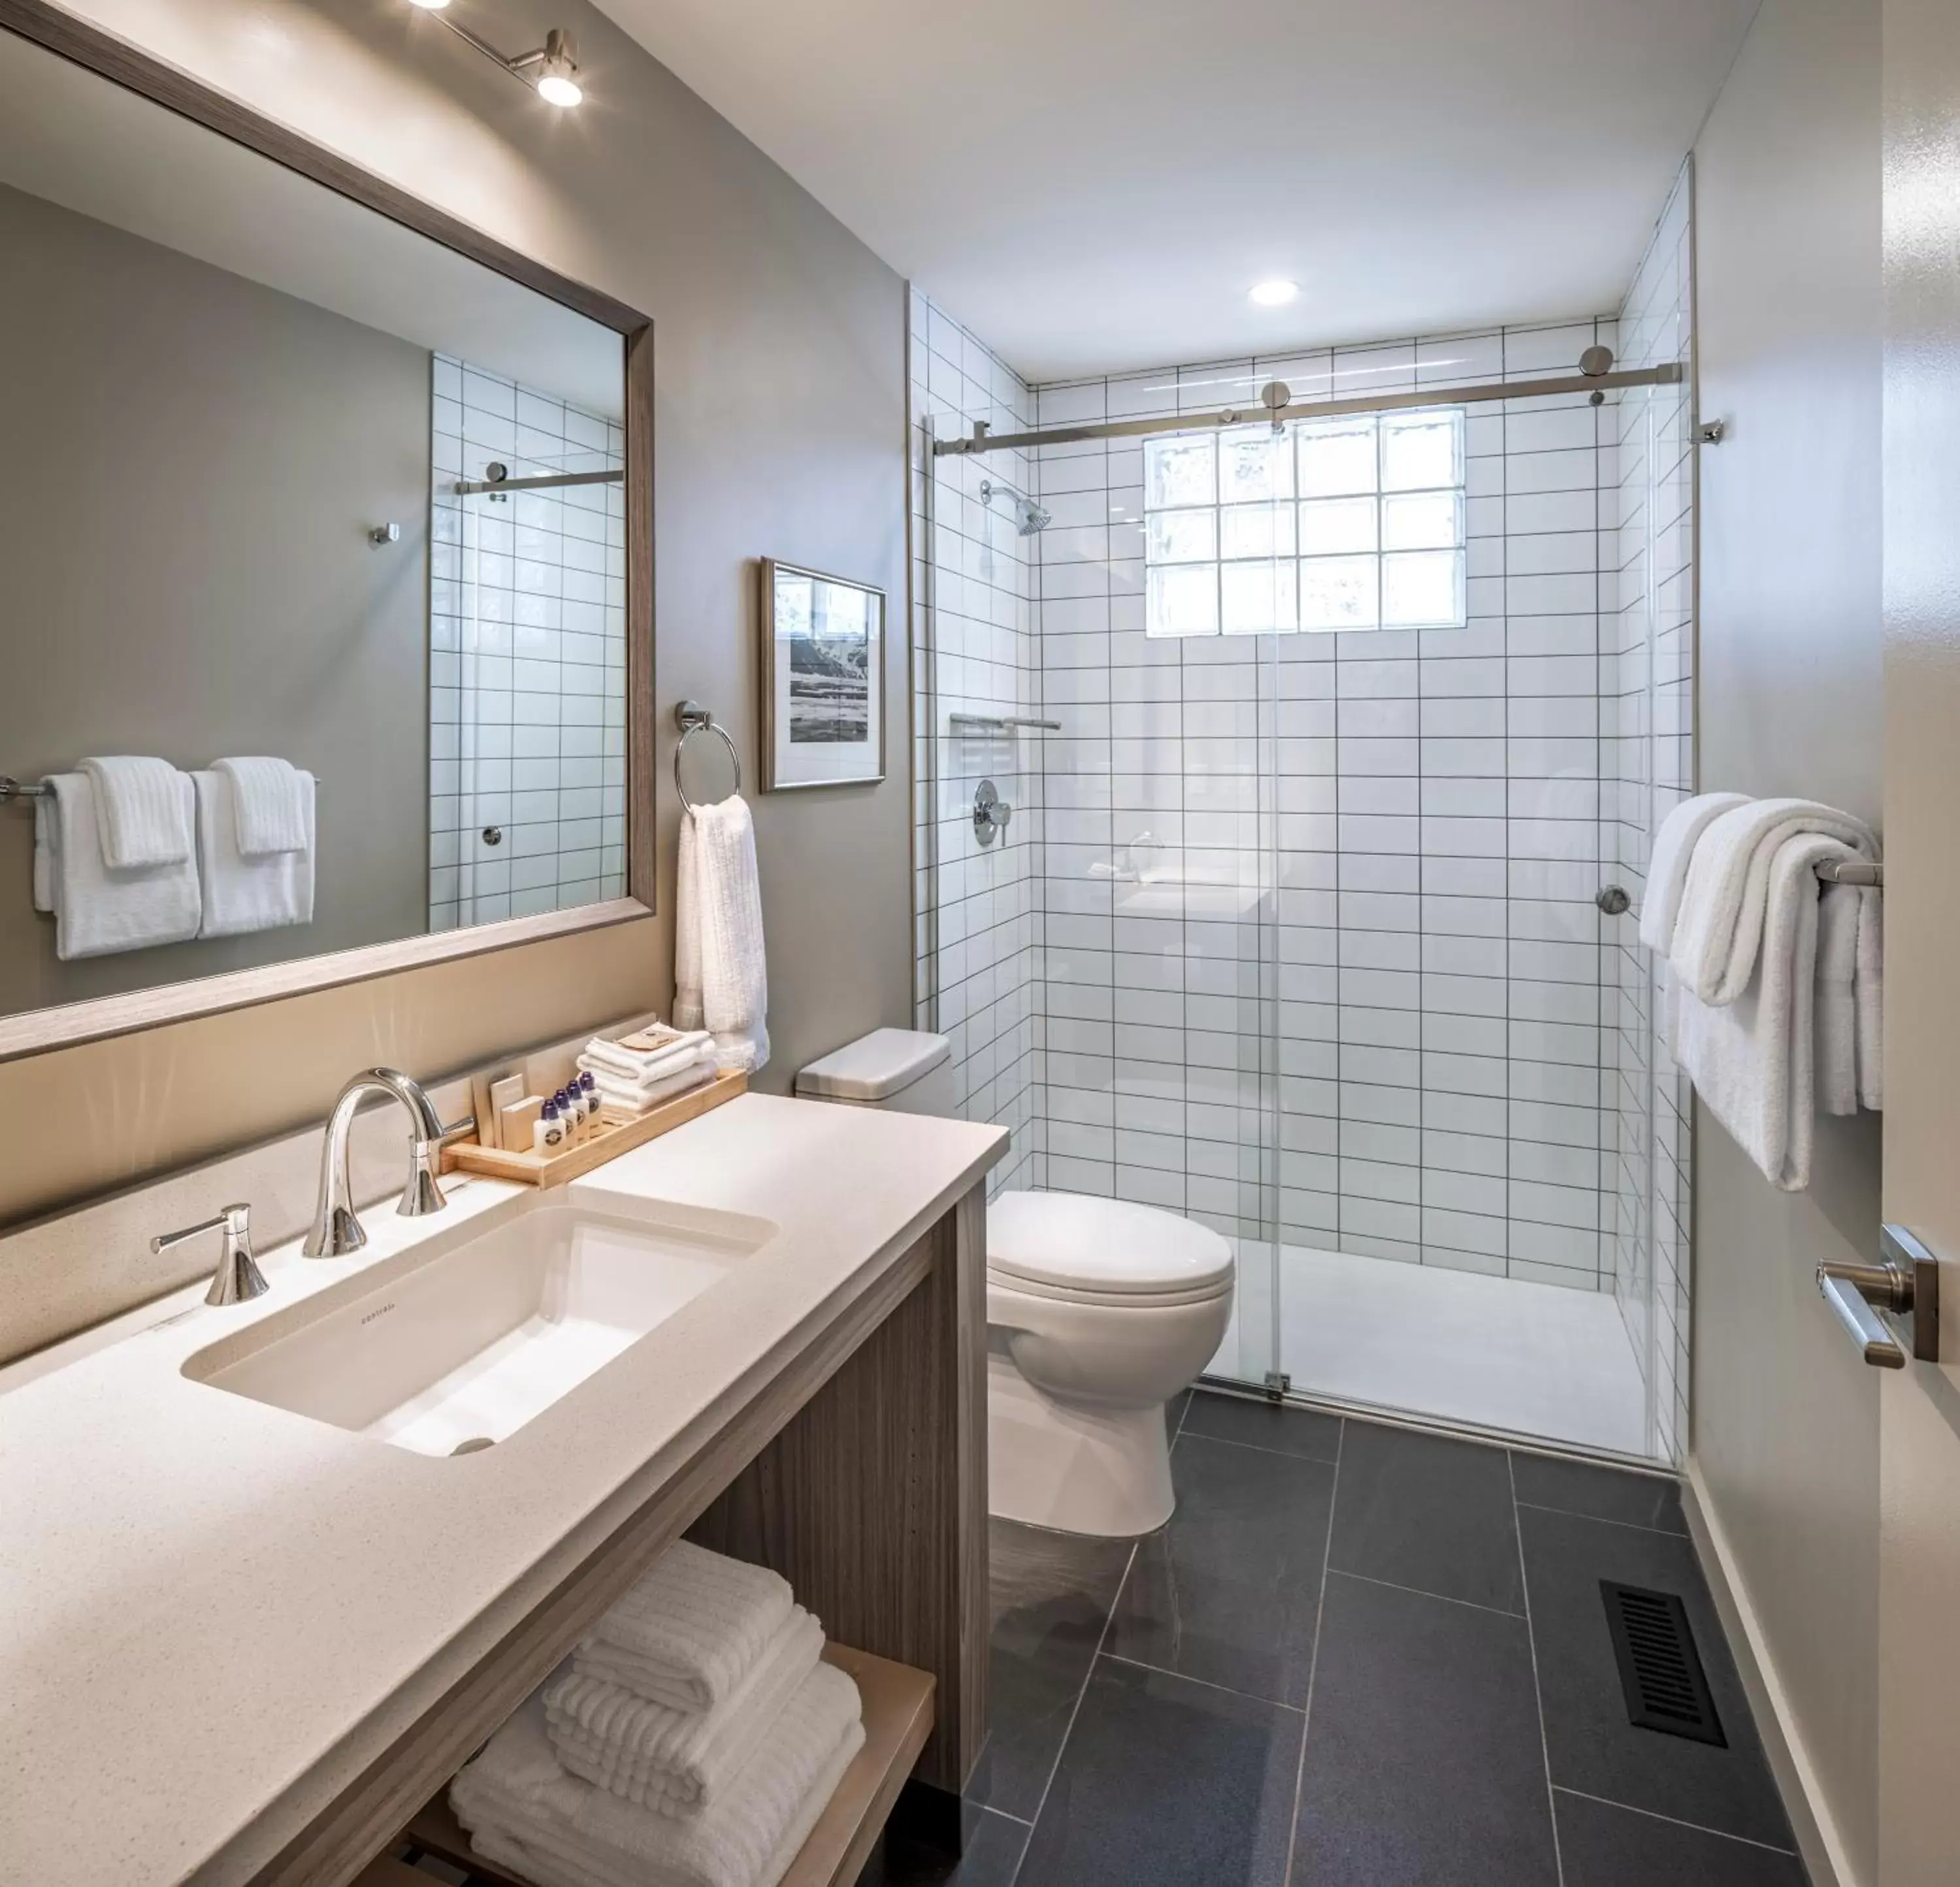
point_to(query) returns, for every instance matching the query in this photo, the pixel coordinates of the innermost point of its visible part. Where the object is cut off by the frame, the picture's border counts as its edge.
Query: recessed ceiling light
(1272, 294)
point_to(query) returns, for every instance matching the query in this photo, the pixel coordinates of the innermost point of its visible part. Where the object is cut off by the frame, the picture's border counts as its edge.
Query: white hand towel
(274, 809)
(142, 811)
(697, 1622)
(1752, 1061)
(1719, 930)
(671, 1760)
(98, 910)
(1837, 1050)
(721, 976)
(632, 1070)
(635, 1101)
(517, 1790)
(1867, 988)
(244, 893)
(44, 855)
(1667, 865)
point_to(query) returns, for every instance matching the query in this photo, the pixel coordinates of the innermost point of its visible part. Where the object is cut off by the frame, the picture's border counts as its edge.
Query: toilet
(1099, 1311)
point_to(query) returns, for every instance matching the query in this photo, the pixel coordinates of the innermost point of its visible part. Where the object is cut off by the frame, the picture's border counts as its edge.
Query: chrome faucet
(336, 1231)
(238, 1277)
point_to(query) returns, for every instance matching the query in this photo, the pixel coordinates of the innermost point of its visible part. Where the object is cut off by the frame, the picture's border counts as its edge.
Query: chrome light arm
(237, 1277)
(336, 1231)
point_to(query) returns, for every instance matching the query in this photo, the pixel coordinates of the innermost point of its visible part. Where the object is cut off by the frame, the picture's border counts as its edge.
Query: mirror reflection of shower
(1029, 516)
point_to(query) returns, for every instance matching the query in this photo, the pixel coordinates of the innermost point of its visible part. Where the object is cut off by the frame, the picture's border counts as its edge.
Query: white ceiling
(1094, 185)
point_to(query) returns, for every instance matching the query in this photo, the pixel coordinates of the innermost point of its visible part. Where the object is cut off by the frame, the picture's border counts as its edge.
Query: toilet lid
(1089, 1247)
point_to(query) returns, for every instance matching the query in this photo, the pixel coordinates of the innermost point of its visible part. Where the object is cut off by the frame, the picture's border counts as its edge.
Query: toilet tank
(902, 1068)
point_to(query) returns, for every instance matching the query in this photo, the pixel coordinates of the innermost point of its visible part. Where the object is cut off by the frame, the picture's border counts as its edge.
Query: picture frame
(822, 679)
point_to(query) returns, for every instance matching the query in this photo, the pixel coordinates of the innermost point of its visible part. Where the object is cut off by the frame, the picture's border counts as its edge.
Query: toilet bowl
(1099, 1311)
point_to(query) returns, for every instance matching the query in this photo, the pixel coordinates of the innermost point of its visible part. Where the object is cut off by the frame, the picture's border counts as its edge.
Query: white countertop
(213, 1613)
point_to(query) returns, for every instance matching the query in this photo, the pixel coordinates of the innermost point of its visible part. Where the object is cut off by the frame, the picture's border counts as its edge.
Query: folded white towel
(671, 1760)
(628, 1070)
(99, 911)
(274, 809)
(517, 1792)
(1720, 929)
(1868, 991)
(696, 1623)
(1837, 1050)
(633, 1102)
(142, 811)
(242, 894)
(44, 854)
(721, 976)
(1751, 1060)
(1667, 864)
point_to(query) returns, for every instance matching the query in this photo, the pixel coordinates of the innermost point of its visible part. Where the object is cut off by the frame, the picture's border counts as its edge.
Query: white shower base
(1531, 1359)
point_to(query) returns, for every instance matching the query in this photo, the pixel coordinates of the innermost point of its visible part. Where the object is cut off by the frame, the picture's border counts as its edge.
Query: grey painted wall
(193, 461)
(1785, 1414)
(779, 429)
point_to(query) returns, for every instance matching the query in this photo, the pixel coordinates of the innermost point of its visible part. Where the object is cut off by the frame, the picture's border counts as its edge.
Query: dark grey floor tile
(1424, 1766)
(1593, 1748)
(1304, 1432)
(1174, 1412)
(1168, 1783)
(1600, 1493)
(1604, 1846)
(1426, 1512)
(1228, 1590)
(994, 1848)
(1051, 1596)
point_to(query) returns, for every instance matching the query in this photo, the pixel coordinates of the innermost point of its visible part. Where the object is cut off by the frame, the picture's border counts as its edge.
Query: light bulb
(557, 82)
(555, 88)
(1273, 294)
(429, 6)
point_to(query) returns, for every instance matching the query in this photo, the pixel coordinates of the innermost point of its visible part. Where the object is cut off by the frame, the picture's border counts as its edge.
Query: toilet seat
(1080, 1249)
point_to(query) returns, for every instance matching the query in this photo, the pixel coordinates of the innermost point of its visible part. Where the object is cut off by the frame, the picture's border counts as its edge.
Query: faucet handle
(238, 1277)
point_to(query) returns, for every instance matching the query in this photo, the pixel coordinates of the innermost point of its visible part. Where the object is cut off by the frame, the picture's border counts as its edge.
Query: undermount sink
(459, 1351)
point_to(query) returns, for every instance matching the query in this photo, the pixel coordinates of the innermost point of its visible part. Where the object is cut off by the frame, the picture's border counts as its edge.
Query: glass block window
(1346, 524)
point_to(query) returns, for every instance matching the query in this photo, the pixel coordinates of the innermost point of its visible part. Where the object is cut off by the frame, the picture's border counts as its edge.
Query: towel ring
(691, 717)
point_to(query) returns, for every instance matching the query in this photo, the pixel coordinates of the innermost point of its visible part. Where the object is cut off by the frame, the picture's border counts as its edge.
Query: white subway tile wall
(1647, 729)
(974, 652)
(1320, 949)
(527, 657)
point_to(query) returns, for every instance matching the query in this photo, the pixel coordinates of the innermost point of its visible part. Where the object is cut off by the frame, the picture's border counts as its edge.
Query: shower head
(1029, 516)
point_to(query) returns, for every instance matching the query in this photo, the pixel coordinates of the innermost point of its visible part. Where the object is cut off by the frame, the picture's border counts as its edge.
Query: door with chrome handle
(1905, 1284)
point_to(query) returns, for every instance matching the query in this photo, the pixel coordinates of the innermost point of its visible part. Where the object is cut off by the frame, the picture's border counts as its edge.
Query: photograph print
(823, 679)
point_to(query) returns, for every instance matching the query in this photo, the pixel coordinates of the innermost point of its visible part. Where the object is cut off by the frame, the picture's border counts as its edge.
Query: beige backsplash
(108, 1143)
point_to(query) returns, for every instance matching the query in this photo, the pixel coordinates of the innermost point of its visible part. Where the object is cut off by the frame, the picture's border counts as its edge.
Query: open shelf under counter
(898, 1702)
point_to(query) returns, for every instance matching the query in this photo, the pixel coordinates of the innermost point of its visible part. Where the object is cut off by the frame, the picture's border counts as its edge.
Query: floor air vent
(1659, 1670)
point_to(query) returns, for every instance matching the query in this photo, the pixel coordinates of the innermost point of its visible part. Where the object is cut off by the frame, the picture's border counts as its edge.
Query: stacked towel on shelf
(693, 1739)
(631, 1080)
(720, 980)
(1772, 1001)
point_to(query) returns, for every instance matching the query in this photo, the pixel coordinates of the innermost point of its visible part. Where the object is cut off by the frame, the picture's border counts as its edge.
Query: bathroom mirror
(300, 470)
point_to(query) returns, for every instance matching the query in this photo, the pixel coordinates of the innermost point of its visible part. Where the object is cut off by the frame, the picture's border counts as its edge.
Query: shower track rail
(982, 439)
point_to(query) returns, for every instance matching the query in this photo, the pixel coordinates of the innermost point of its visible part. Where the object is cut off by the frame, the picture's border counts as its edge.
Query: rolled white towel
(1667, 864)
(693, 1626)
(1719, 932)
(671, 1760)
(517, 1794)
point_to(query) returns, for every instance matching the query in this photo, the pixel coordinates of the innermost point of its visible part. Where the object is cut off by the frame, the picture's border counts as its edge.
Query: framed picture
(823, 679)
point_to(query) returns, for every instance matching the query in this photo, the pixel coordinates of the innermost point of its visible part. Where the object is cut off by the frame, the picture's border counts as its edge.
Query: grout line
(1674, 1820)
(1313, 1662)
(1537, 1690)
(1418, 1592)
(1254, 1448)
(1203, 1683)
(1632, 1526)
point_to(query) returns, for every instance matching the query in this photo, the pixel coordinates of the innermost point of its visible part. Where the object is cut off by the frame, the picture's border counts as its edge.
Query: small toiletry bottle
(588, 1093)
(574, 1109)
(547, 1134)
(568, 1116)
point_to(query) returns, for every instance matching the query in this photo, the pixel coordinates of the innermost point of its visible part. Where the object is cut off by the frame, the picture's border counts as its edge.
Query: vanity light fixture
(1272, 294)
(551, 70)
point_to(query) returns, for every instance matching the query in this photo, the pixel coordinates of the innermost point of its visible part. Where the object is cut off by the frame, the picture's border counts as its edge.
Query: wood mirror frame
(34, 1031)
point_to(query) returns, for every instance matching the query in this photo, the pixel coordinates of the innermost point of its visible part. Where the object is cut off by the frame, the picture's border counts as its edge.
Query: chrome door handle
(1905, 1284)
